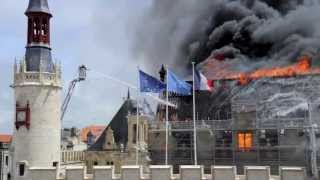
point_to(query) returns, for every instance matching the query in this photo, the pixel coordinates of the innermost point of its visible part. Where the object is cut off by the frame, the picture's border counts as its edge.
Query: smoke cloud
(248, 33)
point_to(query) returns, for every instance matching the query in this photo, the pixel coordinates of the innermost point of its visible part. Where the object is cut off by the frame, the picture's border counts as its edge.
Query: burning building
(264, 117)
(262, 56)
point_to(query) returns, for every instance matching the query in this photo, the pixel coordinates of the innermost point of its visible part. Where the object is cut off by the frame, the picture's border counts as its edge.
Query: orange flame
(301, 68)
(221, 70)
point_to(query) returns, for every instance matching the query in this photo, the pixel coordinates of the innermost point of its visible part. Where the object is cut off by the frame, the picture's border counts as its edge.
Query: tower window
(37, 24)
(7, 160)
(44, 27)
(21, 169)
(245, 140)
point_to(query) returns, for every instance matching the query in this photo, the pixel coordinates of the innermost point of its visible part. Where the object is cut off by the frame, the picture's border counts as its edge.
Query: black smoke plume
(249, 33)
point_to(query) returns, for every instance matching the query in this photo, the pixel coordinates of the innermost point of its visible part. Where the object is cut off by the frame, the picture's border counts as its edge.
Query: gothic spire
(128, 95)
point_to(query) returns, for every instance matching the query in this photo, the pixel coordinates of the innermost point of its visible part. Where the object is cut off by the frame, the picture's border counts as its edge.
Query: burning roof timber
(257, 49)
(218, 69)
(270, 92)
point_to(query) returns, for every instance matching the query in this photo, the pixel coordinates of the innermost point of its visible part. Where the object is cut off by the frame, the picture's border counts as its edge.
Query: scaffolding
(268, 138)
(220, 147)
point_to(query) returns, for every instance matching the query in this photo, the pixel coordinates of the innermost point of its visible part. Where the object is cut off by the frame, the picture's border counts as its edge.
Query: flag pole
(137, 116)
(194, 116)
(167, 115)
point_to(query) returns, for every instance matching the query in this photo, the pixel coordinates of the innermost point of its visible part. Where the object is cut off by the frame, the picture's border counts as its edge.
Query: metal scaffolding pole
(137, 123)
(312, 145)
(167, 117)
(194, 118)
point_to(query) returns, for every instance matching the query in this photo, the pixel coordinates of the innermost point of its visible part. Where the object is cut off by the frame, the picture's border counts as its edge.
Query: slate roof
(119, 125)
(38, 58)
(38, 6)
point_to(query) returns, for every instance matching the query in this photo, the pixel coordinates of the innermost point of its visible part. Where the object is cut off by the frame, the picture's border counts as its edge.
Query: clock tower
(37, 87)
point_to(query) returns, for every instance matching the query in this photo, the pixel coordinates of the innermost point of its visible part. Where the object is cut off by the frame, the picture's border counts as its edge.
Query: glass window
(245, 140)
(21, 169)
(7, 160)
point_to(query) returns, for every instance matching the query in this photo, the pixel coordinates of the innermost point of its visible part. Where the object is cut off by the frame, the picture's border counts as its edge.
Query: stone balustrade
(165, 173)
(37, 77)
(72, 156)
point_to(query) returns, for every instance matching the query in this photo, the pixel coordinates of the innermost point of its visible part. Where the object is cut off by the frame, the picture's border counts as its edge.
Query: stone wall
(36, 137)
(165, 173)
(111, 154)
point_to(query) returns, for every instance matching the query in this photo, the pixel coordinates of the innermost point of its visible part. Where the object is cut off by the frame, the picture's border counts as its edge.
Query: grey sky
(96, 33)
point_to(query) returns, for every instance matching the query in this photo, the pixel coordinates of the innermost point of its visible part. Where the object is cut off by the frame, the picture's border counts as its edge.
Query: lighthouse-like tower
(37, 87)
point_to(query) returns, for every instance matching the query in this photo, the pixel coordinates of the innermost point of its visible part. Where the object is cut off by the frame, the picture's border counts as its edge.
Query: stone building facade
(165, 173)
(5, 157)
(265, 123)
(118, 143)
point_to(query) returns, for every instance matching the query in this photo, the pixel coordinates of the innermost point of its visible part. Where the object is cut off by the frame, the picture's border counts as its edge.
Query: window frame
(245, 140)
(25, 110)
(22, 169)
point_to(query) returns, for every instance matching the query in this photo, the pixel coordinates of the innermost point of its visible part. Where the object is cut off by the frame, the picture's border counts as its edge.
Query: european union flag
(150, 84)
(175, 84)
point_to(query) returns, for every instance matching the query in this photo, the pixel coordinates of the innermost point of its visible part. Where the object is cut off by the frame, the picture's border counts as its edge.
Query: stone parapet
(165, 173)
(37, 78)
(23, 77)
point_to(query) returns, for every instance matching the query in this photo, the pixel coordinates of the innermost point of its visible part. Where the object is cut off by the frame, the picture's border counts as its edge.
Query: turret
(37, 90)
(38, 51)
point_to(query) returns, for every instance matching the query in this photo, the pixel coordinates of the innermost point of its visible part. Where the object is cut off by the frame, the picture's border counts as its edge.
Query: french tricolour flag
(202, 83)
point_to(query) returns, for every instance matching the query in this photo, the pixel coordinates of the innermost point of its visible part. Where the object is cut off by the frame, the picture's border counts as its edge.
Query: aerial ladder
(82, 74)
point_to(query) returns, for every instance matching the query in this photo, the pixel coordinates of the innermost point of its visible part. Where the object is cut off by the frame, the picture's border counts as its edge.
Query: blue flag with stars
(149, 83)
(177, 85)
